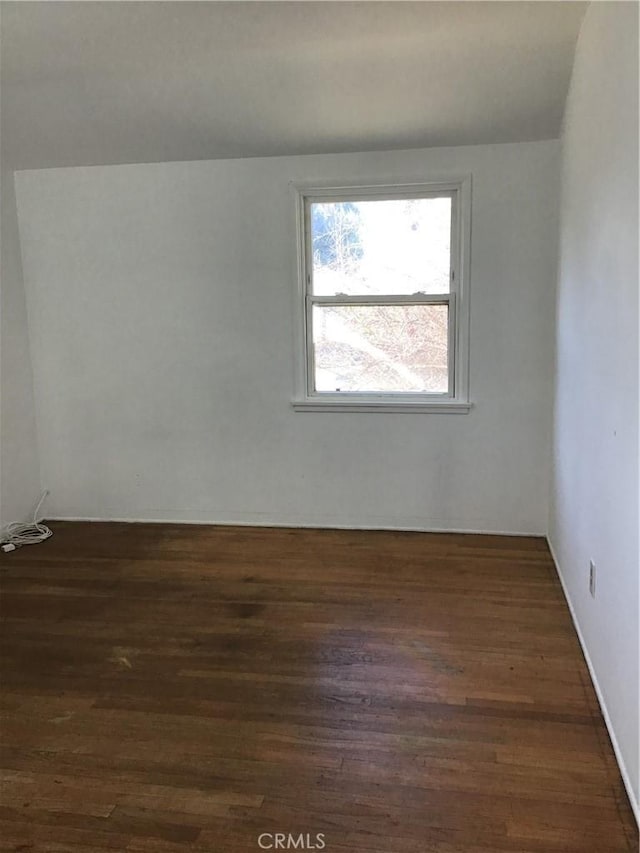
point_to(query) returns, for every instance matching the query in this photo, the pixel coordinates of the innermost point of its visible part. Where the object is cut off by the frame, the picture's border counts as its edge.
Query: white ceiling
(105, 82)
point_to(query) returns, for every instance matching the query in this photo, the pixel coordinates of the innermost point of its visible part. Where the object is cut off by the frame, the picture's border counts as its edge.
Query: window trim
(457, 399)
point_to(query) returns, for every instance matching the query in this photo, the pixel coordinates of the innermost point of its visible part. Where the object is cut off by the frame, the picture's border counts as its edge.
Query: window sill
(444, 407)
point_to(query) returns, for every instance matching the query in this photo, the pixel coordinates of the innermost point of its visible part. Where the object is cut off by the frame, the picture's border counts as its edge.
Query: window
(383, 296)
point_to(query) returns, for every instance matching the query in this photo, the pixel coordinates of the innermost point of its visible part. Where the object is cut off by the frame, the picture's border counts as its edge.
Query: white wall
(161, 308)
(19, 472)
(594, 513)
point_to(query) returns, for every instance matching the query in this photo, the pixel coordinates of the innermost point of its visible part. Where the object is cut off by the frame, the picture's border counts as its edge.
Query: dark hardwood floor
(173, 688)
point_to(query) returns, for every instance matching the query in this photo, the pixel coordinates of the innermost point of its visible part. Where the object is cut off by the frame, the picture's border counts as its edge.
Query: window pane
(381, 247)
(381, 348)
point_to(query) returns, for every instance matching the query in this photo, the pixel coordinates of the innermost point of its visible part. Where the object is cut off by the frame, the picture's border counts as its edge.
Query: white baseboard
(603, 705)
(409, 525)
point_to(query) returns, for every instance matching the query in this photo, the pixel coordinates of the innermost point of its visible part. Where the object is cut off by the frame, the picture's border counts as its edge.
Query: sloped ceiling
(119, 82)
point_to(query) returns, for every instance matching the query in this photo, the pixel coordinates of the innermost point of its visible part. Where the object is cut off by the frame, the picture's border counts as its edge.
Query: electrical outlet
(592, 578)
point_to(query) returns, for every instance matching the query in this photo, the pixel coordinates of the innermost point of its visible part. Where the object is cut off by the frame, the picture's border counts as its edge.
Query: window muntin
(385, 301)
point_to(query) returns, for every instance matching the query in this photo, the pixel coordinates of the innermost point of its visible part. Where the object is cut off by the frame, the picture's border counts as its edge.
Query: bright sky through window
(381, 247)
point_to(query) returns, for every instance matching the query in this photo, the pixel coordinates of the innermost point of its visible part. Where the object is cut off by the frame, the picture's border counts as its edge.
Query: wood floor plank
(182, 689)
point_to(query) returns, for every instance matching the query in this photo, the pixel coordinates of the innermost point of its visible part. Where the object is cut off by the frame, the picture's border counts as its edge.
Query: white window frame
(456, 400)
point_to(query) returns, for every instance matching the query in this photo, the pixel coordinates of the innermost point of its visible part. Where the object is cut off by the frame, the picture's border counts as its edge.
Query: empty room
(319, 464)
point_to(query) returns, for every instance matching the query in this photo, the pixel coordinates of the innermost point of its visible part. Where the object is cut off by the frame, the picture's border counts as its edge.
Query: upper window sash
(381, 195)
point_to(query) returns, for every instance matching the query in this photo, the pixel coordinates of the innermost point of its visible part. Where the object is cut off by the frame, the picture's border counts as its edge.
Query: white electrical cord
(29, 533)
